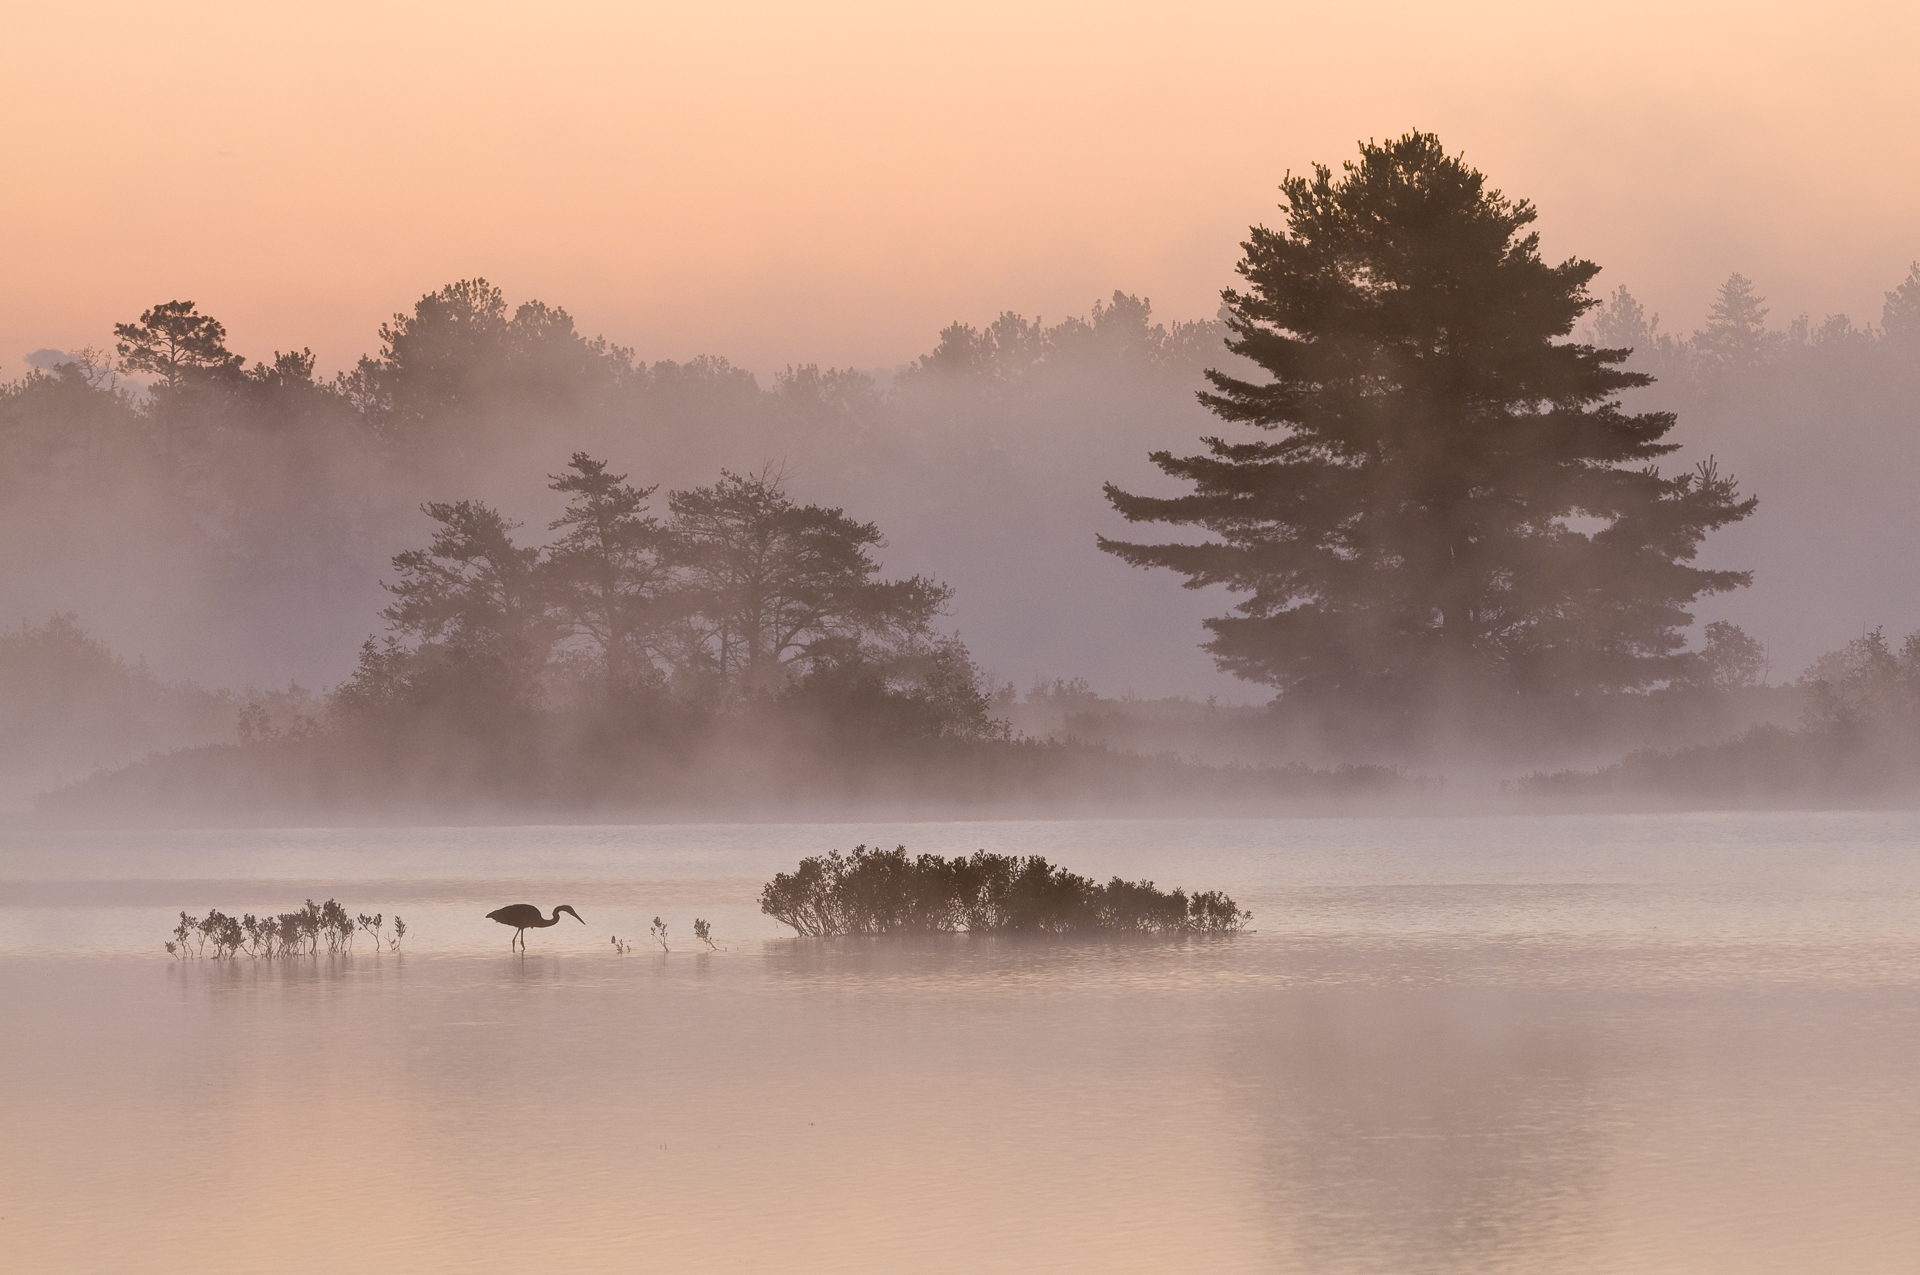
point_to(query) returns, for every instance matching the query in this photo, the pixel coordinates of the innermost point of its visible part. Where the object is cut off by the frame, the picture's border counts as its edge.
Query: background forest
(233, 522)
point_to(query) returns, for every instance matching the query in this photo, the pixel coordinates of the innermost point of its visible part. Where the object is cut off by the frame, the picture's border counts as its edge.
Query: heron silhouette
(524, 916)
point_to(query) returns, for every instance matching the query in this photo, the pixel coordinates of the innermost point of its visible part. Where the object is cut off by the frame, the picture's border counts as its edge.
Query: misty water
(1568, 1044)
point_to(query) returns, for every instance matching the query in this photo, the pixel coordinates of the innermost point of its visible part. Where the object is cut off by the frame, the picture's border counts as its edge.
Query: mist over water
(1572, 1044)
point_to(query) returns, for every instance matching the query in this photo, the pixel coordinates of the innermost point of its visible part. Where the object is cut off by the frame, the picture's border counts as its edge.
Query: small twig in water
(660, 932)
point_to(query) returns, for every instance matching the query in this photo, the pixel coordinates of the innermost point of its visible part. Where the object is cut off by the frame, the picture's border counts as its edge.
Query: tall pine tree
(1452, 502)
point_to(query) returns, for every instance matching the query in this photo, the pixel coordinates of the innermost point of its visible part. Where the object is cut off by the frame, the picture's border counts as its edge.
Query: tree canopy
(174, 341)
(740, 598)
(610, 578)
(774, 583)
(1451, 500)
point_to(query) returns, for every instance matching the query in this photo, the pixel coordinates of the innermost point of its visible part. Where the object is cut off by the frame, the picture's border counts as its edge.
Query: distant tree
(1736, 336)
(53, 421)
(178, 344)
(1865, 684)
(473, 601)
(1731, 658)
(1117, 334)
(611, 582)
(69, 702)
(840, 396)
(430, 361)
(1455, 502)
(460, 368)
(770, 583)
(285, 399)
(1622, 323)
(953, 691)
(1900, 316)
(931, 690)
(175, 342)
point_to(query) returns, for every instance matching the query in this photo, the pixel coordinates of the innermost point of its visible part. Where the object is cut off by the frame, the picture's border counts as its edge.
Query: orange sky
(833, 183)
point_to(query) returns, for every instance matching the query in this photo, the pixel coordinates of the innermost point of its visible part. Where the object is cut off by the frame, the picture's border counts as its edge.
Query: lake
(1649, 1043)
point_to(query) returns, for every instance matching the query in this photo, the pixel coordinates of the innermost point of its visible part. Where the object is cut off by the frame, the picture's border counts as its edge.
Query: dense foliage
(888, 892)
(1411, 533)
(740, 598)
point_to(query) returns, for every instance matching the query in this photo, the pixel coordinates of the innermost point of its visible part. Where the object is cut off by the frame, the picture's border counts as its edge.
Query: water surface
(1574, 1044)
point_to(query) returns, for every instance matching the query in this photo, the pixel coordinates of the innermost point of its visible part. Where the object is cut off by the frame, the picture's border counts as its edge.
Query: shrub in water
(289, 934)
(890, 892)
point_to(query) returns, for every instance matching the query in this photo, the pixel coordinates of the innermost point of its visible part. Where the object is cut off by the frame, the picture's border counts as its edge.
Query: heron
(524, 916)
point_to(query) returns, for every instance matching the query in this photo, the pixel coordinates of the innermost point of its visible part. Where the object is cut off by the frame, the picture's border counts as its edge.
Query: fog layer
(228, 523)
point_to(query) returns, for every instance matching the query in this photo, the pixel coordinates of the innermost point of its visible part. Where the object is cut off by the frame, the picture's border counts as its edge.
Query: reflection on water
(1633, 1045)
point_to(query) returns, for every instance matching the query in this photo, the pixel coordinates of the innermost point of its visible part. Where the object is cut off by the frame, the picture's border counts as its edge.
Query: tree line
(461, 374)
(1434, 494)
(1736, 347)
(269, 496)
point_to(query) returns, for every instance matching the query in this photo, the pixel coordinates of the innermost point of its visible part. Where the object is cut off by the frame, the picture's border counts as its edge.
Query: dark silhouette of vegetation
(268, 497)
(297, 933)
(1408, 539)
(745, 647)
(236, 512)
(1858, 738)
(888, 892)
(743, 595)
(612, 585)
(175, 342)
(70, 703)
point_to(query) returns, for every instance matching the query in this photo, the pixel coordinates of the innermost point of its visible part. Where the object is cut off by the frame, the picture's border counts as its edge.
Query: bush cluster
(890, 892)
(298, 933)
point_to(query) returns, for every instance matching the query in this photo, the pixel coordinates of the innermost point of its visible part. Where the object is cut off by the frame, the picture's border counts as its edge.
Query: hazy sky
(833, 183)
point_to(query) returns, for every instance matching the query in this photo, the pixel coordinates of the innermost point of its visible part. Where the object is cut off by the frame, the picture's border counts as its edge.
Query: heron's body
(524, 916)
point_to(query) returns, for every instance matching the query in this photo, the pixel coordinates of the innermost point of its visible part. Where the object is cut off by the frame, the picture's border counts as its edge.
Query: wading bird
(524, 916)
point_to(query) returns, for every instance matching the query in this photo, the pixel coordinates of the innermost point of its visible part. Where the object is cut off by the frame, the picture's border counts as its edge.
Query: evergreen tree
(474, 601)
(174, 342)
(1900, 316)
(181, 346)
(1736, 335)
(610, 581)
(1455, 498)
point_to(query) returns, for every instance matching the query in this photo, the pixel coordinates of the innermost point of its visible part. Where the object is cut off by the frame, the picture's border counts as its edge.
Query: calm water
(1587, 1044)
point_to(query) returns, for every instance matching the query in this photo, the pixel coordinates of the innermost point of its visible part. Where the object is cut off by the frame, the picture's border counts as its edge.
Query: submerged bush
(889, 892)
(296, 933)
